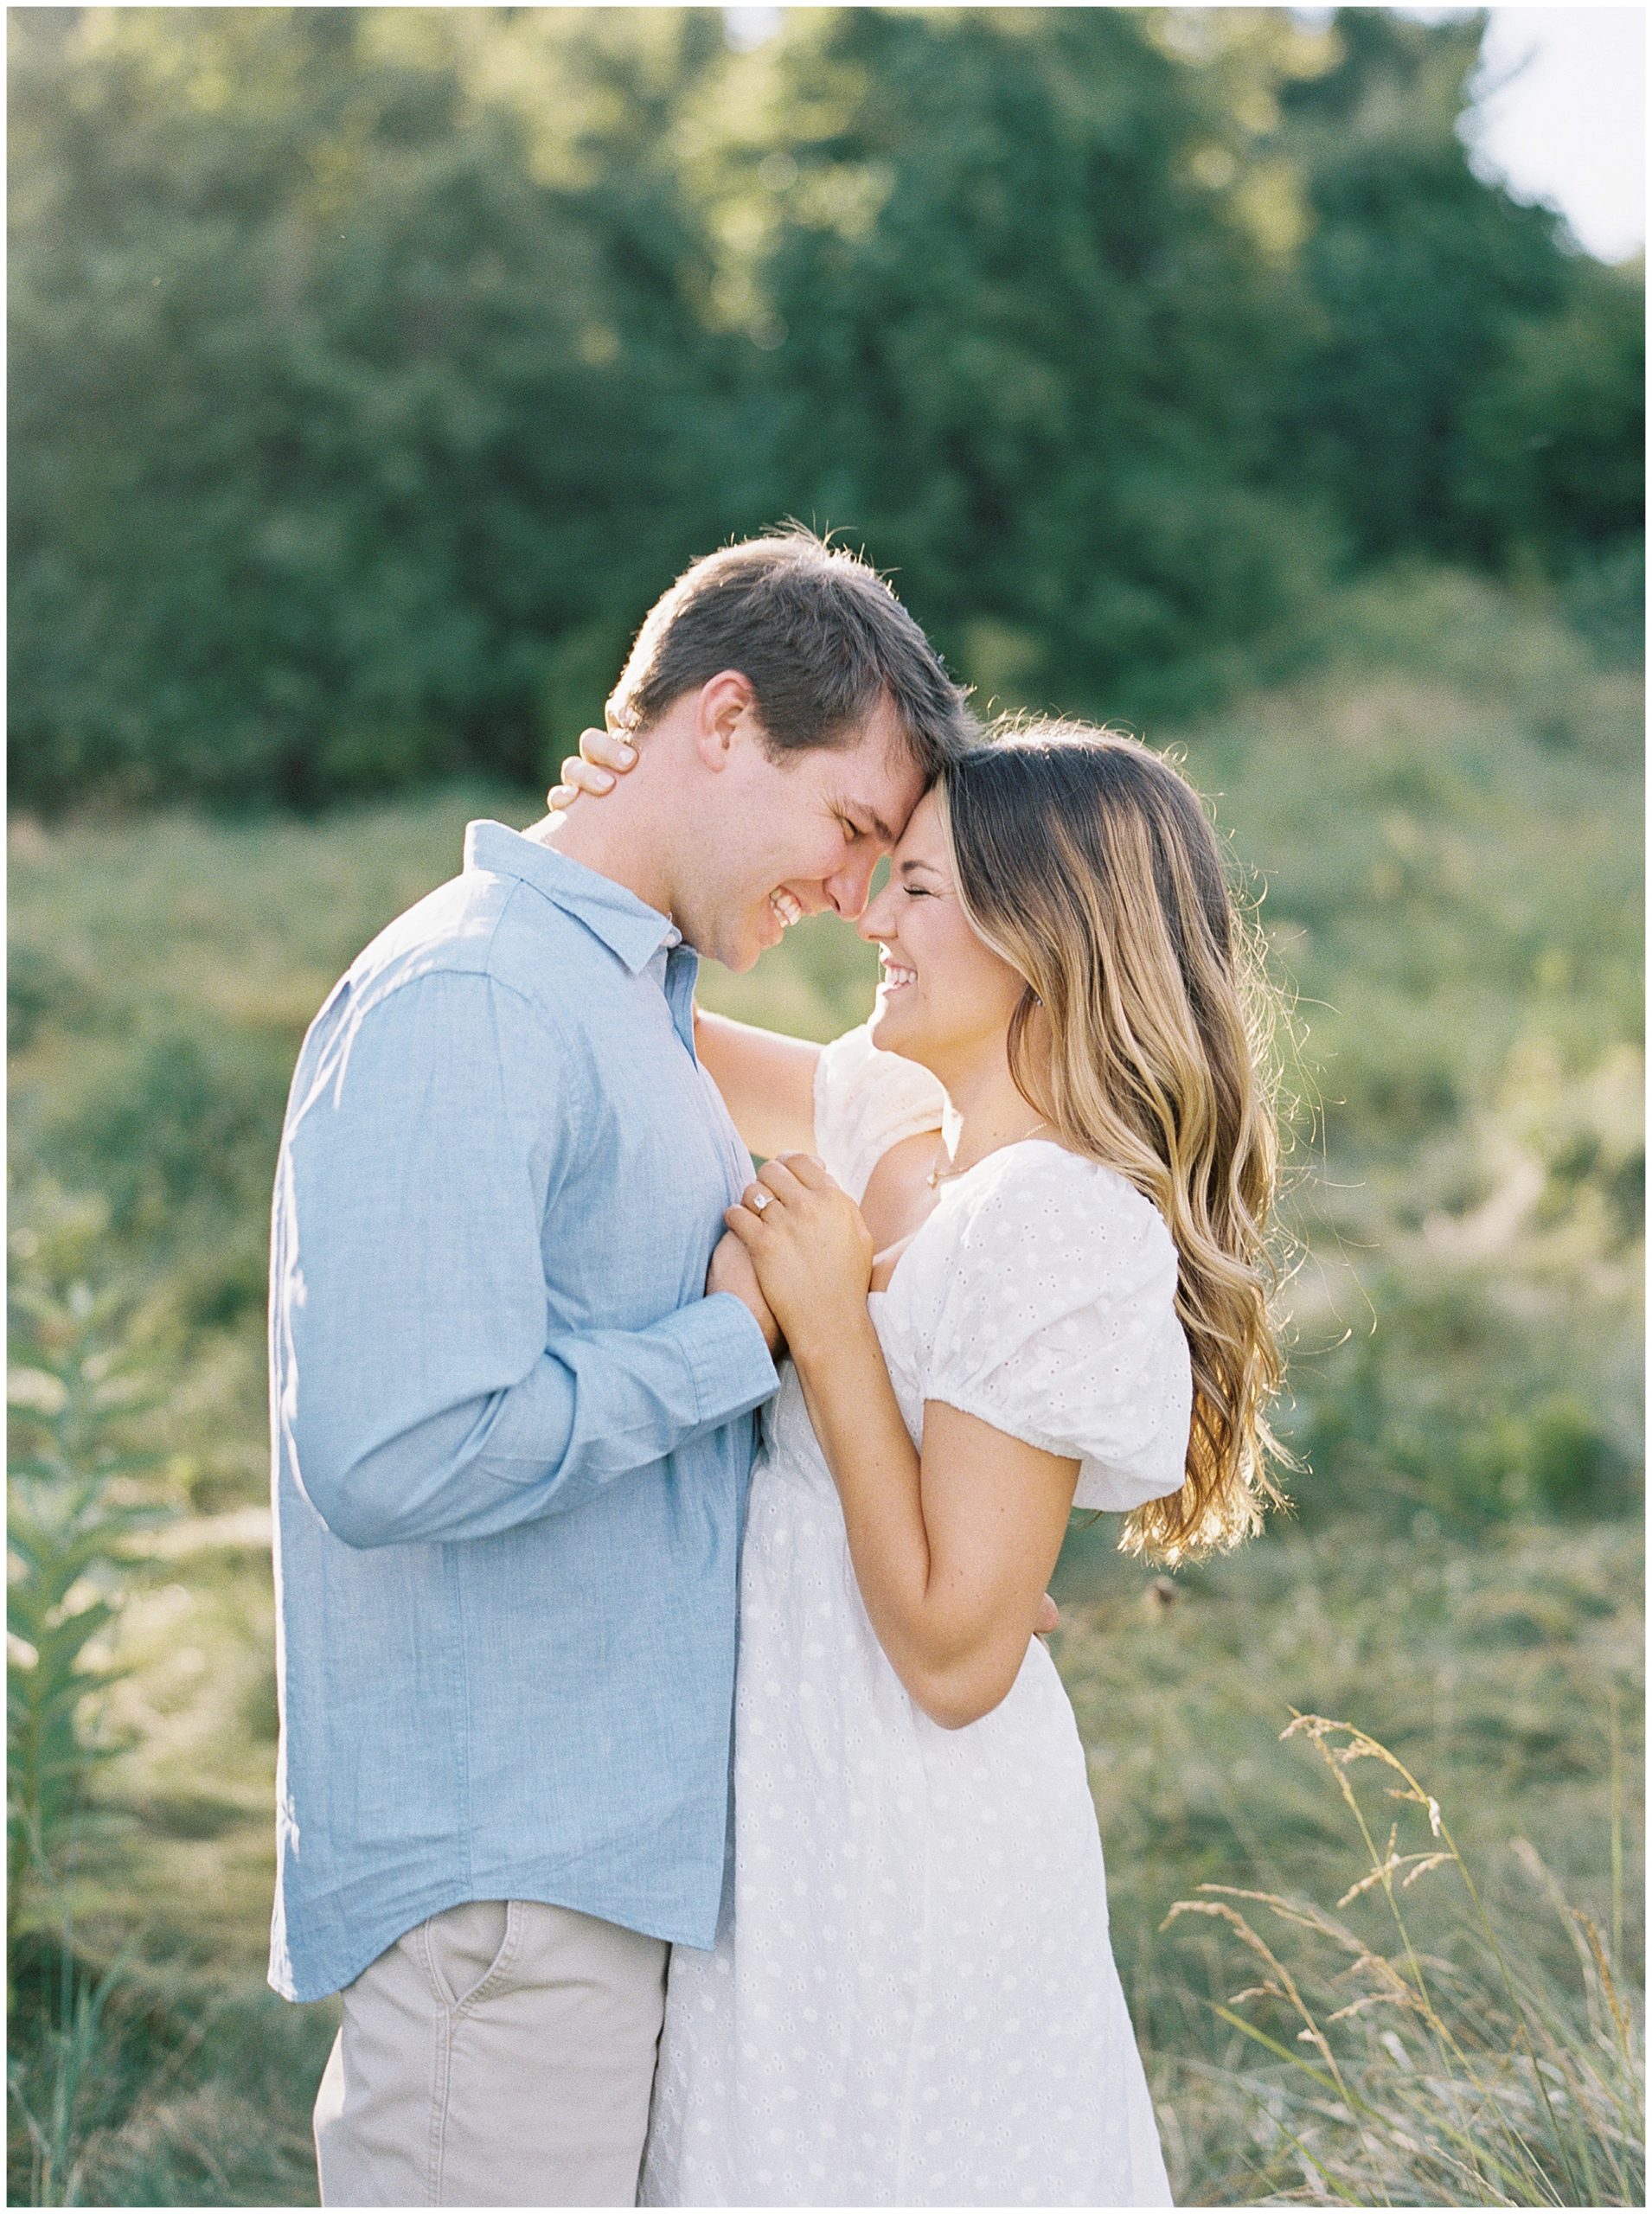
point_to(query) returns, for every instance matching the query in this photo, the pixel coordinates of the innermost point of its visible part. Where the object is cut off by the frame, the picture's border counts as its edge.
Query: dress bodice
(1039, 1295)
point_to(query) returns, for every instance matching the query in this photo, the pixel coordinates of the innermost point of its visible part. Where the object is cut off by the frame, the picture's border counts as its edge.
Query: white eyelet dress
(912, 2000)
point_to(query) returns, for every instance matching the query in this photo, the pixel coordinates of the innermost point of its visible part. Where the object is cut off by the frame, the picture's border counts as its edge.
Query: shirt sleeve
(865, 1101)
(1059, 1325)
(425, 1394)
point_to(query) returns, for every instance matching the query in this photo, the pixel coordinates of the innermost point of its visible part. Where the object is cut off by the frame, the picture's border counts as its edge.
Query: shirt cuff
(728, 1355)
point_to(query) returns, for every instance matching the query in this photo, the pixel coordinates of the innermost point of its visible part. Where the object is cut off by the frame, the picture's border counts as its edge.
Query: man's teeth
(894, 975)
(786, 908)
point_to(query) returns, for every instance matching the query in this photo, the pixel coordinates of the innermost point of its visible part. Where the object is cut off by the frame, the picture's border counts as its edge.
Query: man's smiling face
(781, 837)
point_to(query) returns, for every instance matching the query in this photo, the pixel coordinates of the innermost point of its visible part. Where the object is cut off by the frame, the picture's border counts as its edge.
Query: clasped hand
(808, 1244)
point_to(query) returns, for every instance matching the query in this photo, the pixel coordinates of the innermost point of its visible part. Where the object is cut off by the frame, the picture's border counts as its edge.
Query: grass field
(1439, 807)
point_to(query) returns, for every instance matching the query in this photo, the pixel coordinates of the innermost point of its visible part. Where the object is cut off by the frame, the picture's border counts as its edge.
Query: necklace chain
(938, 1176)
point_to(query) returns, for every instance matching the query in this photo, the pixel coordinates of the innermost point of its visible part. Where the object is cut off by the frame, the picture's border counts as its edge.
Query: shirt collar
(627, 925)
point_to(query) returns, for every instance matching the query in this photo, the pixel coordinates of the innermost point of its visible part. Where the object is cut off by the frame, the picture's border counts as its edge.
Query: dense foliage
(371, 370)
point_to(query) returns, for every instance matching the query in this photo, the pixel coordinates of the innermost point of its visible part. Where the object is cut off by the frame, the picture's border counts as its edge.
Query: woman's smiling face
(945, 996)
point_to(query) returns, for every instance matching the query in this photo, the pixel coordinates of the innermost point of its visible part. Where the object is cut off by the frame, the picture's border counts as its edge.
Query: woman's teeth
(786, 908)
(894, 975)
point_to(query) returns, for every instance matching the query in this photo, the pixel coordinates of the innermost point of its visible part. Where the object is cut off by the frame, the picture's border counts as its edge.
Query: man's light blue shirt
(511, 1437)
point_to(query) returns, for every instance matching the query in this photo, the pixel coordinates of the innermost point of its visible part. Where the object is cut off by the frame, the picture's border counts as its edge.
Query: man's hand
(731, 1270)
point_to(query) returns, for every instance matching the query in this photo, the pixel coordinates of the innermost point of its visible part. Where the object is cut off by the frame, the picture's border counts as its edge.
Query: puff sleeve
(1058, 1323)
(865, 1101)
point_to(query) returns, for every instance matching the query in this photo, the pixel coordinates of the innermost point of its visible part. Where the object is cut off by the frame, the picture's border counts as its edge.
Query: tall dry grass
(1393, 2066)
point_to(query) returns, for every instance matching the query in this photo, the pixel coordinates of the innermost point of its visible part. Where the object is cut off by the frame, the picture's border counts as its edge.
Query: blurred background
(371, 372)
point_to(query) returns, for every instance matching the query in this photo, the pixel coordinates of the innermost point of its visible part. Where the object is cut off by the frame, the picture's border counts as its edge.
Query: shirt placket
(682, 973)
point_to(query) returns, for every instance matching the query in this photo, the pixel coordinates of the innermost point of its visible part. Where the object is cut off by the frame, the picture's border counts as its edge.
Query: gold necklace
(938, 1176)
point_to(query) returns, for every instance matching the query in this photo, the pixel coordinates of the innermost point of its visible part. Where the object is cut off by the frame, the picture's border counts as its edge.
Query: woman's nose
(874, 923)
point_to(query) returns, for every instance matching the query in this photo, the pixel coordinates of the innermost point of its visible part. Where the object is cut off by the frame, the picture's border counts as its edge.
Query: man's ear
(725, 710)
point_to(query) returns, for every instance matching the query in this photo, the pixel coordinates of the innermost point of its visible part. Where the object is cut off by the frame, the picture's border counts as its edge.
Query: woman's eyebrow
(907, 867)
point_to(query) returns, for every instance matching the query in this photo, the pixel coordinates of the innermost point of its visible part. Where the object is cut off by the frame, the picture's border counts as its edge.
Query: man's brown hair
(818, 635)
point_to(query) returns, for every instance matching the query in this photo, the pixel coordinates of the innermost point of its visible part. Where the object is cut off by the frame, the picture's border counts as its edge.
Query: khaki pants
(498, 2055)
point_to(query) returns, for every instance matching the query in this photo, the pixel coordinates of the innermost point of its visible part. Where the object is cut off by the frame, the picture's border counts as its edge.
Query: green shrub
(1604, 598)
(76, 1390)
(1449, 1393)
(41, 989)
(139, 2082)
(183, 1115)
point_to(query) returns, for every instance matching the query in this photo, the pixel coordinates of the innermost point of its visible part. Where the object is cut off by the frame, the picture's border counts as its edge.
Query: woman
(1016, 1256)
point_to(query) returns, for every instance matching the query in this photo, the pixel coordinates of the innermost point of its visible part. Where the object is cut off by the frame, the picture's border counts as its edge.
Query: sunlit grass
(1439, 811)
(1512, 1668)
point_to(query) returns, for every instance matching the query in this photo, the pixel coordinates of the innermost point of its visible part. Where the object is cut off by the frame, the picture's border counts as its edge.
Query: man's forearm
(592, 1409)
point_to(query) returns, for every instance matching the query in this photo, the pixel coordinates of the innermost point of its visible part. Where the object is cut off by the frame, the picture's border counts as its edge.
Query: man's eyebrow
(880, 828)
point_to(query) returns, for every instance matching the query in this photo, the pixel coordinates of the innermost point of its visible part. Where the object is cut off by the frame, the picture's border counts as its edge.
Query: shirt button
(674, 937)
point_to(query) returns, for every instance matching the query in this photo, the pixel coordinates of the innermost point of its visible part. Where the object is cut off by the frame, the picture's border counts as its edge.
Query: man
(511, 1417)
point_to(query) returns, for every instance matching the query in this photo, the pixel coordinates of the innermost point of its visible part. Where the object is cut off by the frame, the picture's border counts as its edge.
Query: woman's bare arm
(952, 1548)
(767, 1081)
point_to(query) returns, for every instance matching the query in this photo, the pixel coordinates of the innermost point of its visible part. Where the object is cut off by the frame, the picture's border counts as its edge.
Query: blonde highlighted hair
(1144, 1038)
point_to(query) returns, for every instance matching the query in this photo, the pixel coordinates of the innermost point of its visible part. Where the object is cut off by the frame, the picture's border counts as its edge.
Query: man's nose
(850, 889)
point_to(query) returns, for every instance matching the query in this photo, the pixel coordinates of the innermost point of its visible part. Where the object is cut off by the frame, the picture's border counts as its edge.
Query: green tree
(1017, 337)
(334, 423)
(1449, 335)
(1551, 438)
(372, 369)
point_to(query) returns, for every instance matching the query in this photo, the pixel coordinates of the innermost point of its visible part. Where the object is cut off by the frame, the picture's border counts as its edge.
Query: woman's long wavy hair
(1144, 1039)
